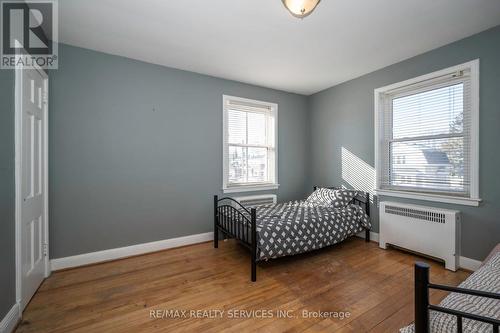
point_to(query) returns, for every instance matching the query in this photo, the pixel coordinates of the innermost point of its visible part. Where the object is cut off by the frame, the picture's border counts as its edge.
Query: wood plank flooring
(375, 286)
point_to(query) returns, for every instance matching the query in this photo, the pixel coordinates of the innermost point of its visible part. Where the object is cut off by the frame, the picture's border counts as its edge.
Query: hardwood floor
(375, 286)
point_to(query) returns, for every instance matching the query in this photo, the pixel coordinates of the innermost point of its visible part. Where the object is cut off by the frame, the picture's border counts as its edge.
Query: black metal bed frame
(422, 305)
(241, 224)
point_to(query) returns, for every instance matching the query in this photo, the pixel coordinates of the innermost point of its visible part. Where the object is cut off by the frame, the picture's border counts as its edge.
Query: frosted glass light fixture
(300, 8)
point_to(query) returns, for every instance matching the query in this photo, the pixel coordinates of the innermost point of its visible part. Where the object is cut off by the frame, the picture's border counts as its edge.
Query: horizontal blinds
(248, 128)
(426, 144)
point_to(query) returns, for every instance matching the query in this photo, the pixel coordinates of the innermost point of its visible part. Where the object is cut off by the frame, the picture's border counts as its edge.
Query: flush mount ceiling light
(300, 8)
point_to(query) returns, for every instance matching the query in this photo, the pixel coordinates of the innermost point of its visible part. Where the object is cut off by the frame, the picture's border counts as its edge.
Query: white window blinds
(249, 142)
(426, 139)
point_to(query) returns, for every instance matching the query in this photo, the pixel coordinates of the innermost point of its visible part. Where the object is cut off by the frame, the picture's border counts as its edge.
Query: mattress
(297, 227)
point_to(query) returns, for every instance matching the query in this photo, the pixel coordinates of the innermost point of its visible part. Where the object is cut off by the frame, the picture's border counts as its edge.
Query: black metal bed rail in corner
(233, 220)
(422, 306)
(362, 200)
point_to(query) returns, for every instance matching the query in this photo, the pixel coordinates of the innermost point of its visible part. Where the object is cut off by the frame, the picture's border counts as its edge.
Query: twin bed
(327, 217)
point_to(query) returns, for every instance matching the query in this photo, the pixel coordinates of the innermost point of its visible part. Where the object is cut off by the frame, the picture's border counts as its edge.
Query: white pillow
(322, 197)
(330, 197)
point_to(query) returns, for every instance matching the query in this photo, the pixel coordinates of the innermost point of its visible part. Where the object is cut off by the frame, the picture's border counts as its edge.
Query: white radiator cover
(431, 231)
(256, 200)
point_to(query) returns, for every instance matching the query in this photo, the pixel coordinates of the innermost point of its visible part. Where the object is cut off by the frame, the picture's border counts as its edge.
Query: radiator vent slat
(252, 203)
(255, 201)
(416, 213)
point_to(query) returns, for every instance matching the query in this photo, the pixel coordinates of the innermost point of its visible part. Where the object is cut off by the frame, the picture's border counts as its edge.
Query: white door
(33, 232)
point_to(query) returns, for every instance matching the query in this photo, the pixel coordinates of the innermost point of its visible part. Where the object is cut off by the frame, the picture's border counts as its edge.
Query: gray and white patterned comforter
(486, 278)
(296, 227)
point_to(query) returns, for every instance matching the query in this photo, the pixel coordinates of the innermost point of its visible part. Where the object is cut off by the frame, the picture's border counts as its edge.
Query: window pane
(237, 126)
(256, 128)
(237, 164)
(438, 111)
(436, 164)
(257, 165)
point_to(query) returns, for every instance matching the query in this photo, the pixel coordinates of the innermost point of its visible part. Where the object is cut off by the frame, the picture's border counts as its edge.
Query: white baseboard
(127, 251)
(470, 264)
(11, 319)
(465, 263)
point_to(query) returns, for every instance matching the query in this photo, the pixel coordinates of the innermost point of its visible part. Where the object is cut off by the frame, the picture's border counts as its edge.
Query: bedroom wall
(136, 150)
(7, 203)
(342, 133)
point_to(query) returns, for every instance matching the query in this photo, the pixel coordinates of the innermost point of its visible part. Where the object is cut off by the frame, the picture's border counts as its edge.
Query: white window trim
(226, 188)
(473, 199)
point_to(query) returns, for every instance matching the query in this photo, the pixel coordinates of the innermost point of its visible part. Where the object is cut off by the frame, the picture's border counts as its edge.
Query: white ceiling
(259, 42)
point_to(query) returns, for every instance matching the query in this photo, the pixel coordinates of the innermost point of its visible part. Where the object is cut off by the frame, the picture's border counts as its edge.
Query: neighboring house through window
(249, 145)
(427, 136)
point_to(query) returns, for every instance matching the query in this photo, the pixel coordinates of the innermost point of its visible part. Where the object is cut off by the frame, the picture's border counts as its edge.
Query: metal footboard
(233, 220)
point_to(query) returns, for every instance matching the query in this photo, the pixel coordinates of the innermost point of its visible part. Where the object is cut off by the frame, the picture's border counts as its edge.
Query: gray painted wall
(136, 150)
(7, 203)
(342, 116)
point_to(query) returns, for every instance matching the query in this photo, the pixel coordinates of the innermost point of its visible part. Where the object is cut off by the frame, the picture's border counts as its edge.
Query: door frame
(18, 177)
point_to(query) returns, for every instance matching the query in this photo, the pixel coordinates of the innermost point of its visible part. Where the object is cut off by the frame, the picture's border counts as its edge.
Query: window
(249, 147)
(427, 136)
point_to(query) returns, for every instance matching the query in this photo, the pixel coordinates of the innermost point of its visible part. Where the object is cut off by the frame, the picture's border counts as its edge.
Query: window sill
(430, 197)
(250, 188)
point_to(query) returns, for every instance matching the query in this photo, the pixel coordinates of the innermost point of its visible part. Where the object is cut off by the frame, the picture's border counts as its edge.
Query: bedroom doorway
(31, 141)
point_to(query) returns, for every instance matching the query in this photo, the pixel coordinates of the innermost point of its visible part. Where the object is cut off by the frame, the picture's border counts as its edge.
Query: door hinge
(45, 249)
